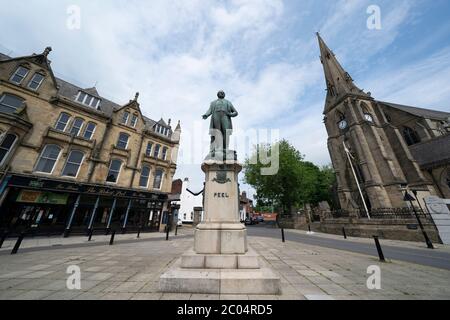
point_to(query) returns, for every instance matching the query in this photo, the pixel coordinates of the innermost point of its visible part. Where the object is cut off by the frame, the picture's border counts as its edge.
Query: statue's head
(221, 94)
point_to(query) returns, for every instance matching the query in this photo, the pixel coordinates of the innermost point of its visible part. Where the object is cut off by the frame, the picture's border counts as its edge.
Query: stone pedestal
(221, 231)
(221, 261)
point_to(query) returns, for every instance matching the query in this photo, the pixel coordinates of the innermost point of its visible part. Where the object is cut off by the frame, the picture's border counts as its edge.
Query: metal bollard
(343, 231)
(3, 238)
(91, 231)
(309, 228)
(139, 232)
(17, 245)
(380, 251)
(65, 235)
(176, 230)
(113, 234)
(167, 232)
(427, 240)
(282, 235)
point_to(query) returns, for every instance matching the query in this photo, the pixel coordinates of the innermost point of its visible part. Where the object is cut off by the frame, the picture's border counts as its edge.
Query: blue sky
(263, 53)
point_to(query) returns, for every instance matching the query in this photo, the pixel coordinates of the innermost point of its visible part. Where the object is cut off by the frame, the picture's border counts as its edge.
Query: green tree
(325, 183)
(280, 189)
(296, 183)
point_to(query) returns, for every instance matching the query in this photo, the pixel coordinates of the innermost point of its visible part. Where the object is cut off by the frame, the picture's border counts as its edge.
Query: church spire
(339, 82)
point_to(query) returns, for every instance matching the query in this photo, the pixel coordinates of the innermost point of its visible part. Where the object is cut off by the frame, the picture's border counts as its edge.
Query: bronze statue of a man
(221, 112)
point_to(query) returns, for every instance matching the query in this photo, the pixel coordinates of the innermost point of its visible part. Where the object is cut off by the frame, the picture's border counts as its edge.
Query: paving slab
(132, 271)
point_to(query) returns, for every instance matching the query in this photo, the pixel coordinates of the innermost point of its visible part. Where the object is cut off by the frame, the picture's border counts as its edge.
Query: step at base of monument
(261, 281)
(192, 260)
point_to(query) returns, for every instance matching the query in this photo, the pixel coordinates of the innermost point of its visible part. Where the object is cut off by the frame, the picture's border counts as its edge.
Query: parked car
(249, 221)
(180, 223)
(260, 219)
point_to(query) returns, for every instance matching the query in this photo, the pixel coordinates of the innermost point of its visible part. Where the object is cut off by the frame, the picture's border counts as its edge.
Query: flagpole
(356, 179)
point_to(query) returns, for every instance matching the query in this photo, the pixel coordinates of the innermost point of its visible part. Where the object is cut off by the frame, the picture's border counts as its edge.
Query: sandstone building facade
(72, 160)
(391, 147)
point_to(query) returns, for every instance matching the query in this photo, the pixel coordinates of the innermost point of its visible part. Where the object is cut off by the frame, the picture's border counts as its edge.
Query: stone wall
(393, 229)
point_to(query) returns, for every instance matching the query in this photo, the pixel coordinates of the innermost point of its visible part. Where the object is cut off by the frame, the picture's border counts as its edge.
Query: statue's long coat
(220, 121)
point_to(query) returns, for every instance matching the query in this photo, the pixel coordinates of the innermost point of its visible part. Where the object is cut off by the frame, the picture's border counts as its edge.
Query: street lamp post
(410, 198)
(418, 201)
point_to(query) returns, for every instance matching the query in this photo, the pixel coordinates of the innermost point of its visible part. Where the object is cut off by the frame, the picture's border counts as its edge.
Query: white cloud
(179, 53)
(422, 84)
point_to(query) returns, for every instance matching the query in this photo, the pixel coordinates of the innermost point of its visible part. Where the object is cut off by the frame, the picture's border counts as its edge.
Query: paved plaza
(130, 269)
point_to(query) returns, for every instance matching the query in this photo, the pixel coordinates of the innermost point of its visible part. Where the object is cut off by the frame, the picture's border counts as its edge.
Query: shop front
(49, 207)
(35, 211)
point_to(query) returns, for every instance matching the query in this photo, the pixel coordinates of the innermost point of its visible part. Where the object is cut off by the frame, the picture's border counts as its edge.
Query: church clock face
(343, 124)
(368, 117)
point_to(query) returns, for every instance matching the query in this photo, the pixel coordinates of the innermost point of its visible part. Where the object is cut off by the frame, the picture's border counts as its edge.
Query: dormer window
(162, 130)
(125, 117)
(19, 75)
(36, 81)
(88, 100)
(81, 97)
(134, 120)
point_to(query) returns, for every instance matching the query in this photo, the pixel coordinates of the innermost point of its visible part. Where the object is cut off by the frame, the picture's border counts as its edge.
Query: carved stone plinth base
(220, 274)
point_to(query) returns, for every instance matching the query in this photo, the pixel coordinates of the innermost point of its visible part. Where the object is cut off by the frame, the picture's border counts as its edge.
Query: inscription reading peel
(221, 195)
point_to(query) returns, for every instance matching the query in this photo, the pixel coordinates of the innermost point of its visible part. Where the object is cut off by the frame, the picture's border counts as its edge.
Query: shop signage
(58, 186)
(30, 196)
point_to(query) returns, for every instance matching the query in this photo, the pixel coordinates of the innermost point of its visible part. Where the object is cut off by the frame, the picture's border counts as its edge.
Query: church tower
(360, 142)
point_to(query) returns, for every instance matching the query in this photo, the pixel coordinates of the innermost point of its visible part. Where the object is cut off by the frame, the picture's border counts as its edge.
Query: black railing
(336, 214)
(395, 213)
(380, 213)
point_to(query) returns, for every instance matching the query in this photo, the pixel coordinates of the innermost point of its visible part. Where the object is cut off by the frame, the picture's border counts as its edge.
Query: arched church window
(411, 136)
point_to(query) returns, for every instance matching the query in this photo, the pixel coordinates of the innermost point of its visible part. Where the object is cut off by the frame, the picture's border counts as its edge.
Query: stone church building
(384, 148)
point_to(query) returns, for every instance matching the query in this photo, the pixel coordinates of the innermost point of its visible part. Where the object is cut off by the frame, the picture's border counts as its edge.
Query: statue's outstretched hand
(205, 117)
